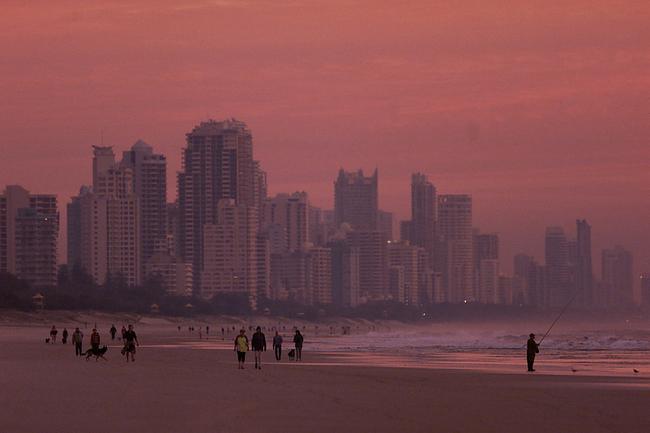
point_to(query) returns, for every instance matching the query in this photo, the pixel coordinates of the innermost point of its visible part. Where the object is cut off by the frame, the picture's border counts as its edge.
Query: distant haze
(540, 110)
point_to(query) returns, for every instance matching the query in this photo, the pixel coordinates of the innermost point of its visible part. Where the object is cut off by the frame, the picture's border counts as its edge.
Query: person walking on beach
(94, 340)
(532, 348)
(64, 336)
(259, 346)
(130, 341)
(123, 332)
(241, 347)
(277, 346)
(77, 340)
(53, 333)
(297, 341)
(113, 332)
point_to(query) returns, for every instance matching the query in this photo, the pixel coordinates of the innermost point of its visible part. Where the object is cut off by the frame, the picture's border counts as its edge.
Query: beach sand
(174, 386)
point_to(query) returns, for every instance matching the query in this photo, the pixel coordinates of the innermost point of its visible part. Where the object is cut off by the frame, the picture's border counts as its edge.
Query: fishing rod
(558, 317)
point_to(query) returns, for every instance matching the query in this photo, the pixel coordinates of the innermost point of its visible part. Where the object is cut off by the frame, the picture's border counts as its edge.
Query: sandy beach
(180, 383)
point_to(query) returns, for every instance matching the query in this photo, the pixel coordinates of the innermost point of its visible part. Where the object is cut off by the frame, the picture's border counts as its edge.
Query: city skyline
(540, 127)
(240, 219)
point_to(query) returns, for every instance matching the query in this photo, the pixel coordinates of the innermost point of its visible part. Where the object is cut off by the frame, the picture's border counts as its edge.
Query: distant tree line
(76, 290)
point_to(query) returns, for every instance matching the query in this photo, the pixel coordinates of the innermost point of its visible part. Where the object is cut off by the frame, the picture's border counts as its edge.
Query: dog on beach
(99, 353)
(292, 354)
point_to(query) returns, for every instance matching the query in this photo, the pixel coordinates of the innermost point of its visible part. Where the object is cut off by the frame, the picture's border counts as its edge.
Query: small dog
(47, 341)
(292, 354)
(99, 353)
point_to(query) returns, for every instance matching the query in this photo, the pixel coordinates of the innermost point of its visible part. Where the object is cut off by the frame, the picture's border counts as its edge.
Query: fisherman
(532, 348)
(277, 346)
(241, 347)
(259, 346)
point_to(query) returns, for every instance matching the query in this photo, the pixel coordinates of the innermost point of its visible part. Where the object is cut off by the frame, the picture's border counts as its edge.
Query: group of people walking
(258, 345)
(129, 338)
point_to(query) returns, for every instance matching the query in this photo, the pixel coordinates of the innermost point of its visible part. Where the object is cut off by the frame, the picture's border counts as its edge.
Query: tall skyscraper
(645, 289)
(229, 259)
(557, 266)
(373, 261)
(29, 228)
(454, 257)
(617, 277)
(291, 212)
(345, 273)
(385, 223)
(406, 257)
(218, 165)
(486, 248)
(423, 213)
(529, 281)
(150, 187)
(356, 200)
(583, 269)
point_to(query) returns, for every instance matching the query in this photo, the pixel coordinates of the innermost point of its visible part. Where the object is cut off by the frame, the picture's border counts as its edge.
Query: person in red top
(94, 340)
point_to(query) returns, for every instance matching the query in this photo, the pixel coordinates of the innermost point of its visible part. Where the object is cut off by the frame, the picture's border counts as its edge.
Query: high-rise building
(454, 257)
(405, 230)
(260, 189)
(486, 247)
(385, 223)
(345, 273)
(319, 276)
(529, 281)
(617, 277)
(229, 260)
(174, 274)
(583, 269)
(150, 187)
(356, 200)
(407, 258)
(29, 228)
(373, 260)
(291, 212)
(489, 282)
(217, 164)
(645, 289)
(557, 266)
(423, 213)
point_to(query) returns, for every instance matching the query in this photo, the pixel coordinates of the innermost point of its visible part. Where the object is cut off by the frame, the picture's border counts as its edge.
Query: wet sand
(175, 386)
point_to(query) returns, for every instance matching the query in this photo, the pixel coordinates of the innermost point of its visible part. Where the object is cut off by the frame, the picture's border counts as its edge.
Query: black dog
(97, 353)
(292, 354)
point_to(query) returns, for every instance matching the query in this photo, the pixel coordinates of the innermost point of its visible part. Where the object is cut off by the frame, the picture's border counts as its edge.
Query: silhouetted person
(77, 340)
(94, 341)
(297, 341)
(532, 348)
(130, 341)
(277, 346)
(64, 338)
(113, 332)
(123, 332)
(53, 333)
(259, 346)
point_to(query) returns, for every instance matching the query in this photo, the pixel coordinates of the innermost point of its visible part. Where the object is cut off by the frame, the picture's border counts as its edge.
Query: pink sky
(540, 110)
